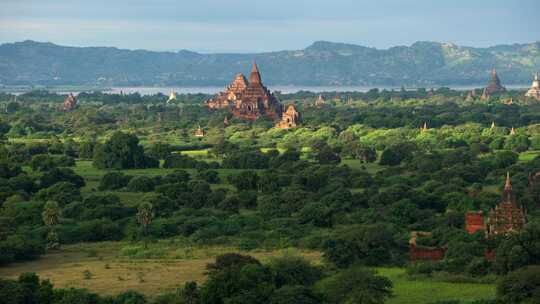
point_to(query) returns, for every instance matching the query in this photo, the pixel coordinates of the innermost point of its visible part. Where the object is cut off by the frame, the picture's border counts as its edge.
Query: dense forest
(351, 183)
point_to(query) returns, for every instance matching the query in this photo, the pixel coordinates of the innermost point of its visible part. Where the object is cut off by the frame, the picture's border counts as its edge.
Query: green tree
(145, 215)
(122, 151)
(327, 156)
(51, 217)
(356, 285)
(520, 286)
(190, 293)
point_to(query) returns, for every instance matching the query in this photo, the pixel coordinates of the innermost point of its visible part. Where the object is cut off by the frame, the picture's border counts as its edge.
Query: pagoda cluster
(495, 87)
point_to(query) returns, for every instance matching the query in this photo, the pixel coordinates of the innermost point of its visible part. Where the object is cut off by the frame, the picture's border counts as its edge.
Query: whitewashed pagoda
(534, 91)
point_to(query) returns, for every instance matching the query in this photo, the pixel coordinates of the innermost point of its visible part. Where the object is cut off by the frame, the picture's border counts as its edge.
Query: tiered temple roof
(507, 216)
(494, 86)
(534, 91)
(249, 100)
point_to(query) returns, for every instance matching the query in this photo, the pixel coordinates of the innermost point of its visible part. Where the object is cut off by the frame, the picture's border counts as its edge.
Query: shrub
(520, 286)
(113, 181)
(210, 176)
(141, 184)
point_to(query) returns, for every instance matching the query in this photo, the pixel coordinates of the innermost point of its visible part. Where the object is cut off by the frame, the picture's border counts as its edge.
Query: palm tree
(51, 217)
(144, 217)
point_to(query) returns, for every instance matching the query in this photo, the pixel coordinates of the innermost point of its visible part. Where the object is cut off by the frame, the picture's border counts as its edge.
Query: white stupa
(534, 91)
(172, 96)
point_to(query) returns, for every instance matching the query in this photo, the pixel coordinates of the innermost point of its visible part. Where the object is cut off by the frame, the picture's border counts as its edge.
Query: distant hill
(322, 63)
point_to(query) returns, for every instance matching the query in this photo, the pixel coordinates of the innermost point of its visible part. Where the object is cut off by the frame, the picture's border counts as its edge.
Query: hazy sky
(256, 25)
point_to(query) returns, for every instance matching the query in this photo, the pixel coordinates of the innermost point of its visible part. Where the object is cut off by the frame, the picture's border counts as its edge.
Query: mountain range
(322, 63)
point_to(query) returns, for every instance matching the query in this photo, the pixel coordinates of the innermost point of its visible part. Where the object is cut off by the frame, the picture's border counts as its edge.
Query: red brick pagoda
(70, 103)
(507, 217)
(494, 86)
(248, 100)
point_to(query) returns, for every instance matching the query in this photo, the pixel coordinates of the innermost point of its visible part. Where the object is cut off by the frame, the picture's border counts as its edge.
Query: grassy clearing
(409, 291)
(356, 164)
(115, 267)
(112, 273)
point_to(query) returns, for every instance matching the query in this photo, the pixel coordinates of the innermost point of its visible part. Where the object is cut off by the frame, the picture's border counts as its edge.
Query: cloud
(242, 25)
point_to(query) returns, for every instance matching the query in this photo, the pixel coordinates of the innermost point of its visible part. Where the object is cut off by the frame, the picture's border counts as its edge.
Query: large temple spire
(255, 76)
(508, 194)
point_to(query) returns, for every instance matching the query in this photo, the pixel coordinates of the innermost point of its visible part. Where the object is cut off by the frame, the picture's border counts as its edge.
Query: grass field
(112, 273)
(168, 264)
(409, 291)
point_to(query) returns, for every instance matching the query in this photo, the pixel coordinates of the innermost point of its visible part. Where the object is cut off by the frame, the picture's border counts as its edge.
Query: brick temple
(494, 86)
(247, 100)
(289, 119)
(70, 102)
(507, 217)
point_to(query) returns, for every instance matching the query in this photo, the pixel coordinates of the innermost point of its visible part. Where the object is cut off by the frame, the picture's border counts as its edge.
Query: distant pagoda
(534, 91)
(248, 100)
(319, 102)
(199, 132)
(70, 103)
(172, 97)
(290, 118)
(494, 86)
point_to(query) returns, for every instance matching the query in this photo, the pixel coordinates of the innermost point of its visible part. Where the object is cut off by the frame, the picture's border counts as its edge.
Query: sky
(245, 26)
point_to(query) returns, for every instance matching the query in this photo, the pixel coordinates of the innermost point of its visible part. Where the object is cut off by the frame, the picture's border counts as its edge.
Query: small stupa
(172, 97)
(534, 91)
(199, 132)
(320, 101)
(424, 128)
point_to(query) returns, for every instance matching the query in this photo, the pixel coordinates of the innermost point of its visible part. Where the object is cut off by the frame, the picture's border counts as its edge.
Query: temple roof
(508, 195)
(494, 85)
(255, 76)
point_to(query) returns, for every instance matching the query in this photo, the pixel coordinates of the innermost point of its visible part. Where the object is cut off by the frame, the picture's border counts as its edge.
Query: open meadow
(113, 267)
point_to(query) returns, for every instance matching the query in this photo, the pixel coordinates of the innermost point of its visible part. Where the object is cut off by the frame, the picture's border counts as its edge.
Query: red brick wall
(474, 221)
(426, 254)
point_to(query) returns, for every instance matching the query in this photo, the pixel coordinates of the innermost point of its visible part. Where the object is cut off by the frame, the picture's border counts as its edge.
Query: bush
(183, 162)
(141, 184)
(62, 192)
(19, 247)
(44, 162)
(113, 181)
(520, 286)
(210, 176)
